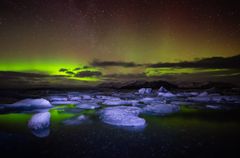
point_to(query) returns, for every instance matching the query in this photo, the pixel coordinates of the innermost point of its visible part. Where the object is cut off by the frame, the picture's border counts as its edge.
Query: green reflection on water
(190, 119)
(88, 112)
(15, 118)
(197, 121)
(59, 115)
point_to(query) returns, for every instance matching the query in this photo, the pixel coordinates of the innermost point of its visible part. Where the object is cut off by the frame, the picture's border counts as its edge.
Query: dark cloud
(63, 70)
(98, 63)
(86, 67)
(213, 62)
(81, 68)
(22, 79)
(25, 80)
(126, 76)
(70, 72)
(77, 68)
(12, 74)
(88, 74)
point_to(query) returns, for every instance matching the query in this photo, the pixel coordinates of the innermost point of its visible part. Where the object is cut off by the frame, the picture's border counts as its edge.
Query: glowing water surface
(188, 133)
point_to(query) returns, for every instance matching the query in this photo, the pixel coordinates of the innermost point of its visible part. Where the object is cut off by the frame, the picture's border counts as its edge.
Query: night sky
(92, 40)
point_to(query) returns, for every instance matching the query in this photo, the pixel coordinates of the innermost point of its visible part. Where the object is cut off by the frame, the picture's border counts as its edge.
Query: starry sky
(91, 40)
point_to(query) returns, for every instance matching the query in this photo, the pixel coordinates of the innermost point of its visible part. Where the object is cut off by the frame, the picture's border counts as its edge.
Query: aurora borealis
(102, 40)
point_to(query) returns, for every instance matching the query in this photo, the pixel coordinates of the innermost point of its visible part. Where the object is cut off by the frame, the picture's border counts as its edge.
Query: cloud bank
(213, 62)
(98, 63)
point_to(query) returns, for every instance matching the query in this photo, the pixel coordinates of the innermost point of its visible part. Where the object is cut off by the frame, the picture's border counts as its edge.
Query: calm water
(189, 133)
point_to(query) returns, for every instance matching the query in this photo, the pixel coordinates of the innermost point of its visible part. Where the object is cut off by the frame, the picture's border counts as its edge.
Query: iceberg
(122, 116)
(39, 121)
(30, 103)
(160, 109)
(88, 106)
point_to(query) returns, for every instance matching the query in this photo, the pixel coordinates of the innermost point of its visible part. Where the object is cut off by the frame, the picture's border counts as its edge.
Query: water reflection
(41, 133)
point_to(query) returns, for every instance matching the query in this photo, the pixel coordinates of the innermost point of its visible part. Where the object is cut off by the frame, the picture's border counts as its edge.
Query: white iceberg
(74, 98)
(86, 97)
(107, 97)
(162, 92)
(88, 106)
(115, 102)
(30, 103)
(148, 100)
(122, 116)
(166, 95)
(64, 102)
(214, 107)
(203, 94)
(58, 98)
(145, 91)
(39, 121)
(160, 109)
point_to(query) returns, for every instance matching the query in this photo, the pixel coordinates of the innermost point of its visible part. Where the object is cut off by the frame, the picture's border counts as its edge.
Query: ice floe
(57, 98)
(145, 91)
(115, 102)
(162, 92)
(122, 116)
(39, 121)
(88, 106)
(64, 102)
(160, 109)
(214, 107)
(86, 97)
(30, 103)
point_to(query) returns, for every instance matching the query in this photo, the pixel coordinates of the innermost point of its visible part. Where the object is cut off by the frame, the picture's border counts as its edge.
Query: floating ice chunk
(149, 100)
(39, 124)
(210, 98)
(217, 99)
(214, 107)
(188, 94)
(166, 95)
(39, 121)
(235, 99)
(203, 94)
(122, 116)
(182, 103)
(115, 102)
(163, 90)
(205, 97)
(64, 102)
(74, 98)
(107, 97)
(131, 102)
(200, 99)
(58, 98)
(160, 109)
(30, 103)
(86, 97)
(145, 91)
(193, 93)
(141, 91)
(88, 106)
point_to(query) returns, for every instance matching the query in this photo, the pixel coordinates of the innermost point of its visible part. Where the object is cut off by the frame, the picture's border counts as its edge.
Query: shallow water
(188, 133)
